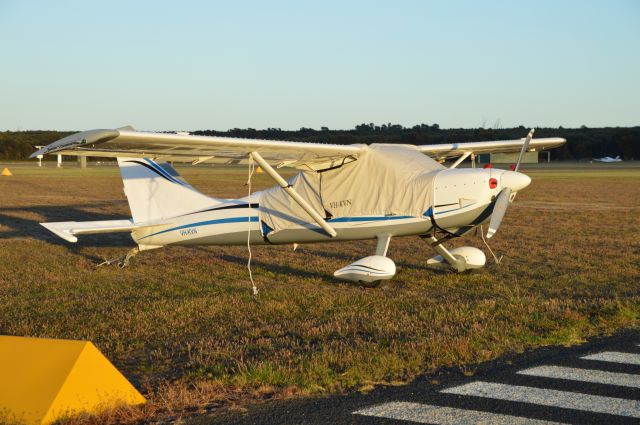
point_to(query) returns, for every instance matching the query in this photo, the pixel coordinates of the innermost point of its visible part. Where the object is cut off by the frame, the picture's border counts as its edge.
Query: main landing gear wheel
(368, 270)
(372, 285)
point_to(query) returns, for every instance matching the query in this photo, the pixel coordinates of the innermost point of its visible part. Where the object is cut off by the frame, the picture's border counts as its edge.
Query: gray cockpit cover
(384, 180)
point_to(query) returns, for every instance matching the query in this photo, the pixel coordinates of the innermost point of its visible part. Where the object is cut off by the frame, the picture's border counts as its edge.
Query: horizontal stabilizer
(68, 230)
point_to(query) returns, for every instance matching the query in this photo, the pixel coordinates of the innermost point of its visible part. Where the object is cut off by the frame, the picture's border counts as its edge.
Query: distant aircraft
(608, 159)
(343, 192)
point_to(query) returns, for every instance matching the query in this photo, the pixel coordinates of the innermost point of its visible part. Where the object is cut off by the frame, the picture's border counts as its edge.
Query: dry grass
(181, 323)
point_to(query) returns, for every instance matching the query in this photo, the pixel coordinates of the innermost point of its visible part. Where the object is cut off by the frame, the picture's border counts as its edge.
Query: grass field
(182, 325)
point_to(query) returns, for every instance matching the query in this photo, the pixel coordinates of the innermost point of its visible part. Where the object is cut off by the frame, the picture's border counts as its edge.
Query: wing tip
(63, 233)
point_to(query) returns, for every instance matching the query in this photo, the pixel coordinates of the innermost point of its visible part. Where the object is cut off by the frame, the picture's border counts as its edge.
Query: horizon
(319, 130)
(201, 65)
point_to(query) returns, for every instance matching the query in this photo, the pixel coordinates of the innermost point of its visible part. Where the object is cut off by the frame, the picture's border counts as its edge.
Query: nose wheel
(459, 259)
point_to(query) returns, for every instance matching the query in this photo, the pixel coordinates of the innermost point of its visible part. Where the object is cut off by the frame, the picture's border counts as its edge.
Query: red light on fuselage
(493, 183)
(512, 167)
(487, 166)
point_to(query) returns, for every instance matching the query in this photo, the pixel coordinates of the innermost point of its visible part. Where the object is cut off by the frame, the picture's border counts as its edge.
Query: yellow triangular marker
(6, 172)
(42, 380)
(259, 170)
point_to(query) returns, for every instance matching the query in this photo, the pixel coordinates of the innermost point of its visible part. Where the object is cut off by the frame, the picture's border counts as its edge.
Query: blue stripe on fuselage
(442, 212)
(207, 223)
(255, 219)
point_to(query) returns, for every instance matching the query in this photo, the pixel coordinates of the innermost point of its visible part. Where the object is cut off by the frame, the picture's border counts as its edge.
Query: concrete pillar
(59, 164)
(82, 160)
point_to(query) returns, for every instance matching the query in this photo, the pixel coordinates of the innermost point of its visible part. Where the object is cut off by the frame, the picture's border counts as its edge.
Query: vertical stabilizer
(156, 191)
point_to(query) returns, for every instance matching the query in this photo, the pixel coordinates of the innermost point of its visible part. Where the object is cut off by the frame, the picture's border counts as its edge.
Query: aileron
(449, 150)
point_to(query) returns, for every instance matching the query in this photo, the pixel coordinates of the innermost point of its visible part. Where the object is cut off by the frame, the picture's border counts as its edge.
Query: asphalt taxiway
(594, 383)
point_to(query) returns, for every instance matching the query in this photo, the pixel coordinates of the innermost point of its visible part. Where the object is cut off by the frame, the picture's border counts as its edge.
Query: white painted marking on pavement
(547, 397)
(584, 375)
(615, 357)
(425, 413)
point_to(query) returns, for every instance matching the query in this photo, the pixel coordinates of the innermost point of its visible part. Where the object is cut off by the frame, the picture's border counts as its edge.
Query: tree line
(582, 143)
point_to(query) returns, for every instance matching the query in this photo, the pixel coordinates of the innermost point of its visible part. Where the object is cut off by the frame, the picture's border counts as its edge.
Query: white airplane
(608, 159)
(343, 192)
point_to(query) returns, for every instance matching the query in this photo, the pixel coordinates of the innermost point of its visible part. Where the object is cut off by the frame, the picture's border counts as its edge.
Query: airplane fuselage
(463, 198)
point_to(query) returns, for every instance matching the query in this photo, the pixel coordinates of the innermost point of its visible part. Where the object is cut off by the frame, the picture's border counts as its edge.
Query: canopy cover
(384, 180)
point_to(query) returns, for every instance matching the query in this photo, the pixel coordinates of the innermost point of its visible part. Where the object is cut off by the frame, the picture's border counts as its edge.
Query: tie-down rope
(251, 170)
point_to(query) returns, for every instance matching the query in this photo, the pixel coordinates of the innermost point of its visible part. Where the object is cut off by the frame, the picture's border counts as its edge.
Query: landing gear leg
(122, 262)
(459, 259)
(456, 263)
(383, 245)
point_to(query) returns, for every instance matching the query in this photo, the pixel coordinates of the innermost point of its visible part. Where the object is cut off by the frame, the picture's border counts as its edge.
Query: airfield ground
(182, 325)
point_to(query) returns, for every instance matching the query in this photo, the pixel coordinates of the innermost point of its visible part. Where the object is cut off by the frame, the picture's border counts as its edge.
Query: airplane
(608, 159)
(341, 193)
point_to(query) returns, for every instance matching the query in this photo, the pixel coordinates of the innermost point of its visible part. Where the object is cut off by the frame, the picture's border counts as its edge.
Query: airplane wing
(127, 142)
(451, 150)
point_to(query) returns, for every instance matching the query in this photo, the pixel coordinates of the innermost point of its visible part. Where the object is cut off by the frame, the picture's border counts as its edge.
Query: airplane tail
(157, 192)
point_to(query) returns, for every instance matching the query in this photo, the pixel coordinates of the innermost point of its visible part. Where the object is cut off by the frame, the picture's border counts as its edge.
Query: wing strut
(459, 160)
(294, 195)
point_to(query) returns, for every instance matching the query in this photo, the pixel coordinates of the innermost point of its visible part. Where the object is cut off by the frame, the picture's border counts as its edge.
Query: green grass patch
(181, 323)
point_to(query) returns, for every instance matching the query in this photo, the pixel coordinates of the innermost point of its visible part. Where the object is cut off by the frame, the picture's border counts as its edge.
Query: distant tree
(581, 143)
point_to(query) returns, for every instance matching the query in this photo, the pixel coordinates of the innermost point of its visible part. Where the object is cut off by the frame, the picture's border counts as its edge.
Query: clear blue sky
(186, 65)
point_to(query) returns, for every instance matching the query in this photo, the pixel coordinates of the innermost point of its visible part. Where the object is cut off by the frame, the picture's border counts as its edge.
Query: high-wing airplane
(342, 192)
(608, 159)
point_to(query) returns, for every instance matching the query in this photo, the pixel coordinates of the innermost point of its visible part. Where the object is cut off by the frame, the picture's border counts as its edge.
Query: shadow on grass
(318, 250)
(274, 267)
(18, 226)
(21, 227)
(349, 258)
(278, 268)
